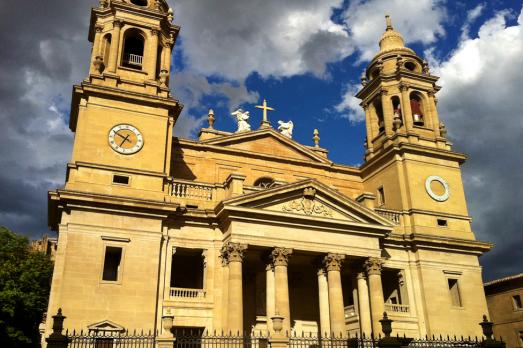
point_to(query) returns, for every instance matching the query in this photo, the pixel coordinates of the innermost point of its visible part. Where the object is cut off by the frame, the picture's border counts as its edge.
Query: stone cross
(265, 108)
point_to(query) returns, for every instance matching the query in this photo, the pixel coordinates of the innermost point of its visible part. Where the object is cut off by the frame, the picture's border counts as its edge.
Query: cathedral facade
(226, 231)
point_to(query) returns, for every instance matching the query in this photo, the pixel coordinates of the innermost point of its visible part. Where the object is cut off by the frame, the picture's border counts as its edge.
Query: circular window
(410, 66)
(139, 2)
(437, 188)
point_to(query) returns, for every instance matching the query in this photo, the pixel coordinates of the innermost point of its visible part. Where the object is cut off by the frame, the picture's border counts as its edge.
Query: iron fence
(333, 341)
(111, 339)
(195, 339)
(445, 342)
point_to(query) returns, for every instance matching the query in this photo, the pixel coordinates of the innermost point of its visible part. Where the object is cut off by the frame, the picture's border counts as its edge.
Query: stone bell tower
(123, 113)
(410, 166)
(398, 97)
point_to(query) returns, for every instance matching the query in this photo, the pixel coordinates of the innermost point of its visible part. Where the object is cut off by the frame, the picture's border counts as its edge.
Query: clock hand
(126, 138)
(121, 136)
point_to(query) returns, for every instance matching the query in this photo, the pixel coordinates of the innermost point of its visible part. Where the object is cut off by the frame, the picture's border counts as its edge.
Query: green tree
(25, 278)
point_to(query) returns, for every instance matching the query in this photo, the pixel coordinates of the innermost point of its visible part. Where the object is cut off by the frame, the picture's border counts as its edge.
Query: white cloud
(472, 15)
(350, 107)
(481, 105)
(274, 38)
(417, 20)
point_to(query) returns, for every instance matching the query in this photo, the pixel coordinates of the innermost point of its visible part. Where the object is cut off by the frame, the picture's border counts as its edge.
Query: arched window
(264, 182)
(416, 105)
(133, 49)
(379, 114)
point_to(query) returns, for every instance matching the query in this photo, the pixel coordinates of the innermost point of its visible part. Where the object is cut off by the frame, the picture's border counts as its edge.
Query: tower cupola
(398, 96)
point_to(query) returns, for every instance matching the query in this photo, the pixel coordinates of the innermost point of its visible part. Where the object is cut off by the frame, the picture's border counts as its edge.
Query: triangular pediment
(307, 199)
(105, 325)
(267, 142)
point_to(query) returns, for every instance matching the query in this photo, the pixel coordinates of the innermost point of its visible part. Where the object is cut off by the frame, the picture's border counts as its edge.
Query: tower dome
(392, 40)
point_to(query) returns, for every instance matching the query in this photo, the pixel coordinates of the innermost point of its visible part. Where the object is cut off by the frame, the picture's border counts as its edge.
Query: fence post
(166, 338)
(490, 342)
(57, 339)
(388, 341)
(278, 340)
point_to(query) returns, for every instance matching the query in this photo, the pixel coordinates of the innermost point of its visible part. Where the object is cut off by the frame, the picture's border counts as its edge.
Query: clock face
(125, 139)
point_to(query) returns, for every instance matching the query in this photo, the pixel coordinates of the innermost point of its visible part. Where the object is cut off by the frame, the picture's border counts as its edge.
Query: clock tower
(410, 166)
(123, 113)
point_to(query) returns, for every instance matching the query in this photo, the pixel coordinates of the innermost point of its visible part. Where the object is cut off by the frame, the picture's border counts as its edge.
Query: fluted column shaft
(323, 293)
(233, 253)
(363, 304)
(115, 46)
(377, 304)
(332, 263)
(280, 261)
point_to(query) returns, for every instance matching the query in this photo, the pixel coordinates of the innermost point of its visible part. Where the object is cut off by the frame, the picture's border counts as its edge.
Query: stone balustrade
(187, 293)
(192, 190)
(389, 214)
(396, 308)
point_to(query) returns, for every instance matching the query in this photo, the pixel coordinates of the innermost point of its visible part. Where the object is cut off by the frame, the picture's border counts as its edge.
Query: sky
(306, 58)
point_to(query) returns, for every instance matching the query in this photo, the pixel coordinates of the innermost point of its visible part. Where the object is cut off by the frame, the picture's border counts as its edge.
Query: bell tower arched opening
(133, 49)
(418, 109)
(378, 108)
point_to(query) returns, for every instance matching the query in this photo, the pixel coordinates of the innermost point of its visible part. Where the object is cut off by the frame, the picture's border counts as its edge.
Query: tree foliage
(25, 278)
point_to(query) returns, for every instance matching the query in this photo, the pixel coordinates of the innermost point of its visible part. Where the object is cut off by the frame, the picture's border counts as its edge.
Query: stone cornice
(415, 241)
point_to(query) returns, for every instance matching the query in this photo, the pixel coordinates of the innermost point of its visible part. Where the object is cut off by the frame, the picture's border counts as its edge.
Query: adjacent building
(505, 305)
(229, 229)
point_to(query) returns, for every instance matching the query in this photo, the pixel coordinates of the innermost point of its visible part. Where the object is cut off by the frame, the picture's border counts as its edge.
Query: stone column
(377, 304)
(405, 107)
(323, 292)
(167, 51)
(332, 263)
(153, 55)
(386, 107)
(364, 305)
(433, 110)
(280, 261)
(270, 297)
(97, 59)
(225, 289)
(368, 126)
(115, 45)
(234, 256)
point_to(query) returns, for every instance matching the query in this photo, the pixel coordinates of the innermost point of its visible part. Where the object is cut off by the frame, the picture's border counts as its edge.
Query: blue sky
(305, 57)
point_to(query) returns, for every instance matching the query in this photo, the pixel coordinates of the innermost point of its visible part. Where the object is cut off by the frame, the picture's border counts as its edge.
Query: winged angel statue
(286, 128)
(241, 118)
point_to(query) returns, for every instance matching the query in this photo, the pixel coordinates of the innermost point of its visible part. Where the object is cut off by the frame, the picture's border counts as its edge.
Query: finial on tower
(316, 138)
(389, 22)
(210, 118)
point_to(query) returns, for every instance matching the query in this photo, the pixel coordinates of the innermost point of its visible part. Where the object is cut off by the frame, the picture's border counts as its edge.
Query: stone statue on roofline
(286, 128)
(241, 118)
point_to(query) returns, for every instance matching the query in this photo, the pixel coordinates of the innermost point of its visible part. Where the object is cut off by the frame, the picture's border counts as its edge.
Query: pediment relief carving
(105, 325)
(307, 207)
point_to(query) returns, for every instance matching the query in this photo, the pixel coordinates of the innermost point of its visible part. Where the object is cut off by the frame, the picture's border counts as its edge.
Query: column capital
(155, 31)
(118, 23)
(383, 92)
(280, 256)
(361, 275)
(333, 262)
(232, 252)
(403, 87)
(98, 28)
(373, 265)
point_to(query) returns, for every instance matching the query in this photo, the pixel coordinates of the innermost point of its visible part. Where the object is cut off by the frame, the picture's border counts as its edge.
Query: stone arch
(133, 48)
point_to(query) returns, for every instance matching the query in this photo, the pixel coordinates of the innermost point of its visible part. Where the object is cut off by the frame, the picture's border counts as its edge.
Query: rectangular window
(112, 260)
(381, 196)
(516, 299)
(120, 179)
(454, 292)
(442, 223)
